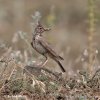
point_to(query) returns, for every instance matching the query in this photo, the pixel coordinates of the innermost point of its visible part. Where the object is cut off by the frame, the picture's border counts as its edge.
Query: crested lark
(42, 47)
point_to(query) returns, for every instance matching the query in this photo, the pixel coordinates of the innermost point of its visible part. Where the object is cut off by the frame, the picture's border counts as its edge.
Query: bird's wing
(47, 46)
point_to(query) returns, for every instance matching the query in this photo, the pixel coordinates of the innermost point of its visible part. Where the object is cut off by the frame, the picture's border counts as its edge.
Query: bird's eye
(40, 28)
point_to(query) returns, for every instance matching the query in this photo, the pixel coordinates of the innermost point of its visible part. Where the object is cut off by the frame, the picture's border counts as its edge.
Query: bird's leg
(43, 64)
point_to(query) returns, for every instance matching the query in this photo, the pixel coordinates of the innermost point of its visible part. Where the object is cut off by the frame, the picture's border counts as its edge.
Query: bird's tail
(62, 68)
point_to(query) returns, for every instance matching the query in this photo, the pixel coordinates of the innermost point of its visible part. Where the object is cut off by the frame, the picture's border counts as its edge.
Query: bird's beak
(48, 29)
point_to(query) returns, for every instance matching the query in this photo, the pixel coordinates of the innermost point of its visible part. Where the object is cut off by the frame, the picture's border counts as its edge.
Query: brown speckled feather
(49, 49)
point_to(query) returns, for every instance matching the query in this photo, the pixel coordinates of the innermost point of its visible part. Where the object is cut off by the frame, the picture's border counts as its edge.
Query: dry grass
(22, 77)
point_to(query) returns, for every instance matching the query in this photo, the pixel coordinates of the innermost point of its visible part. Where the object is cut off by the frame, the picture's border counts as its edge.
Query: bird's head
(40, 29)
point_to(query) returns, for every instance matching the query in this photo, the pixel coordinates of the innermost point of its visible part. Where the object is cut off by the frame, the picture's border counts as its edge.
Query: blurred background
(68, 20)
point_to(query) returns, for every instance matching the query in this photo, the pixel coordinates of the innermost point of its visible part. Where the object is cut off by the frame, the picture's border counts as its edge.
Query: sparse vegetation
(23, 78)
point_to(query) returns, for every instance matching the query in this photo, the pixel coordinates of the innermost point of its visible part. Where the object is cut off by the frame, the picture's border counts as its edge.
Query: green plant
(91, 33)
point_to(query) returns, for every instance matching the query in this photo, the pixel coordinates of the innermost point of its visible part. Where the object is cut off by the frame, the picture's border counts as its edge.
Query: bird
(43, 47)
